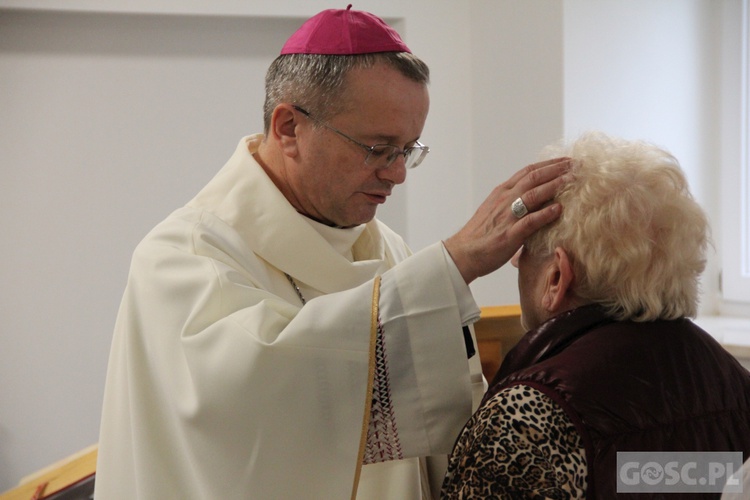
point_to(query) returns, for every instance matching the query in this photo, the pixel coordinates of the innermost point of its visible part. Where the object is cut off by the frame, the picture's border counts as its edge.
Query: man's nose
(395, 172)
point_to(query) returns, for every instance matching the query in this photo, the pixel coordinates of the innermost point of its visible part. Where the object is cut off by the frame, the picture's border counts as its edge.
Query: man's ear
(283, 129)
(558, 282)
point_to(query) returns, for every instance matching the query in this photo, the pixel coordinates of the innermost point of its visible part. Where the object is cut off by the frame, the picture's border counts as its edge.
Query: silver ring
(518, 208)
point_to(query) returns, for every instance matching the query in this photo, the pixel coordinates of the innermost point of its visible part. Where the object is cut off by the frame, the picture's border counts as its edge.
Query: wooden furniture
(498, 330)
(56, 477)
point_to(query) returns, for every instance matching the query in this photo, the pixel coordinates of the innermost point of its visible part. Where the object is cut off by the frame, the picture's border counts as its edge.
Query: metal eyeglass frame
(378, 151)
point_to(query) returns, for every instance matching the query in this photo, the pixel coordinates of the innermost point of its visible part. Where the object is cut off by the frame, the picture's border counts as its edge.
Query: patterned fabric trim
(383, 443)
(374, 327)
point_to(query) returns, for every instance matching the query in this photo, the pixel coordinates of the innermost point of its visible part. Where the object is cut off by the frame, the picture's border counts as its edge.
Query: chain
(296, 289)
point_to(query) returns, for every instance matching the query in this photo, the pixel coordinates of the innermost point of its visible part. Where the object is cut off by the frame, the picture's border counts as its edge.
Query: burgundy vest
(654, 386)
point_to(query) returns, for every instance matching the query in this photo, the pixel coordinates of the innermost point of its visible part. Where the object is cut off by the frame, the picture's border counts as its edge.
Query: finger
(540, 195)
(540, 172)
(544, 175)
(534, 221)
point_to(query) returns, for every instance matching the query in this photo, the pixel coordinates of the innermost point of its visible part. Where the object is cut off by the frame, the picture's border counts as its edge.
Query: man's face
(531, 281)
(331, 181)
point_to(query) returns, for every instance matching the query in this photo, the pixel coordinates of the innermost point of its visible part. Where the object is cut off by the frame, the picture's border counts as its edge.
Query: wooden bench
(56, 477)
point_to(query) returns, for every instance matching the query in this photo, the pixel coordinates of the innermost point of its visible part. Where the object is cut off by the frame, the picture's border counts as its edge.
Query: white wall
(111, 120)
(649, 70)
(517, 84)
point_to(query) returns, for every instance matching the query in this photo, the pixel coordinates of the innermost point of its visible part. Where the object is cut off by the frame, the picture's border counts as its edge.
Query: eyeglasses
(381, 156)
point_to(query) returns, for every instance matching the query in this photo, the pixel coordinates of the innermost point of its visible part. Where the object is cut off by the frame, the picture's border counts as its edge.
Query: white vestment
(222, 386)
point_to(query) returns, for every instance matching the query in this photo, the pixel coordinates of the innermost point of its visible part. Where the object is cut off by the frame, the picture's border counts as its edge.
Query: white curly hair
(636, 236)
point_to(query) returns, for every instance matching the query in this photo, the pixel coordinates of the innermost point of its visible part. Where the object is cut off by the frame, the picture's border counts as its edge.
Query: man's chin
(362, 218)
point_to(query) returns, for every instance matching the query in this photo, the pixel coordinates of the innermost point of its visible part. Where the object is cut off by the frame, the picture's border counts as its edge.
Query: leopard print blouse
(519, 445)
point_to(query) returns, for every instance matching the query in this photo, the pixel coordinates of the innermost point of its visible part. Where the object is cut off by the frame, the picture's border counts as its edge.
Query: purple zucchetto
(344, 32)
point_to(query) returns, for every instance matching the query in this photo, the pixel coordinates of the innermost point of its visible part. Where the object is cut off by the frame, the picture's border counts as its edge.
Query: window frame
(735, 196)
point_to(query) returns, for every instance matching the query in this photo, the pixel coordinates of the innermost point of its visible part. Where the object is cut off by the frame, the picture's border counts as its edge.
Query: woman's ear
(559, 282)
(283, 129)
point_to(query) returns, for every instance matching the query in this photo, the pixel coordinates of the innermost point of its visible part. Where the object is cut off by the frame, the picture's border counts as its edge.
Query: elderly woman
(610, 362)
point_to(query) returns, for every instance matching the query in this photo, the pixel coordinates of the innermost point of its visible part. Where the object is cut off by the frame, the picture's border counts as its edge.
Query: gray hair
(316, 82)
